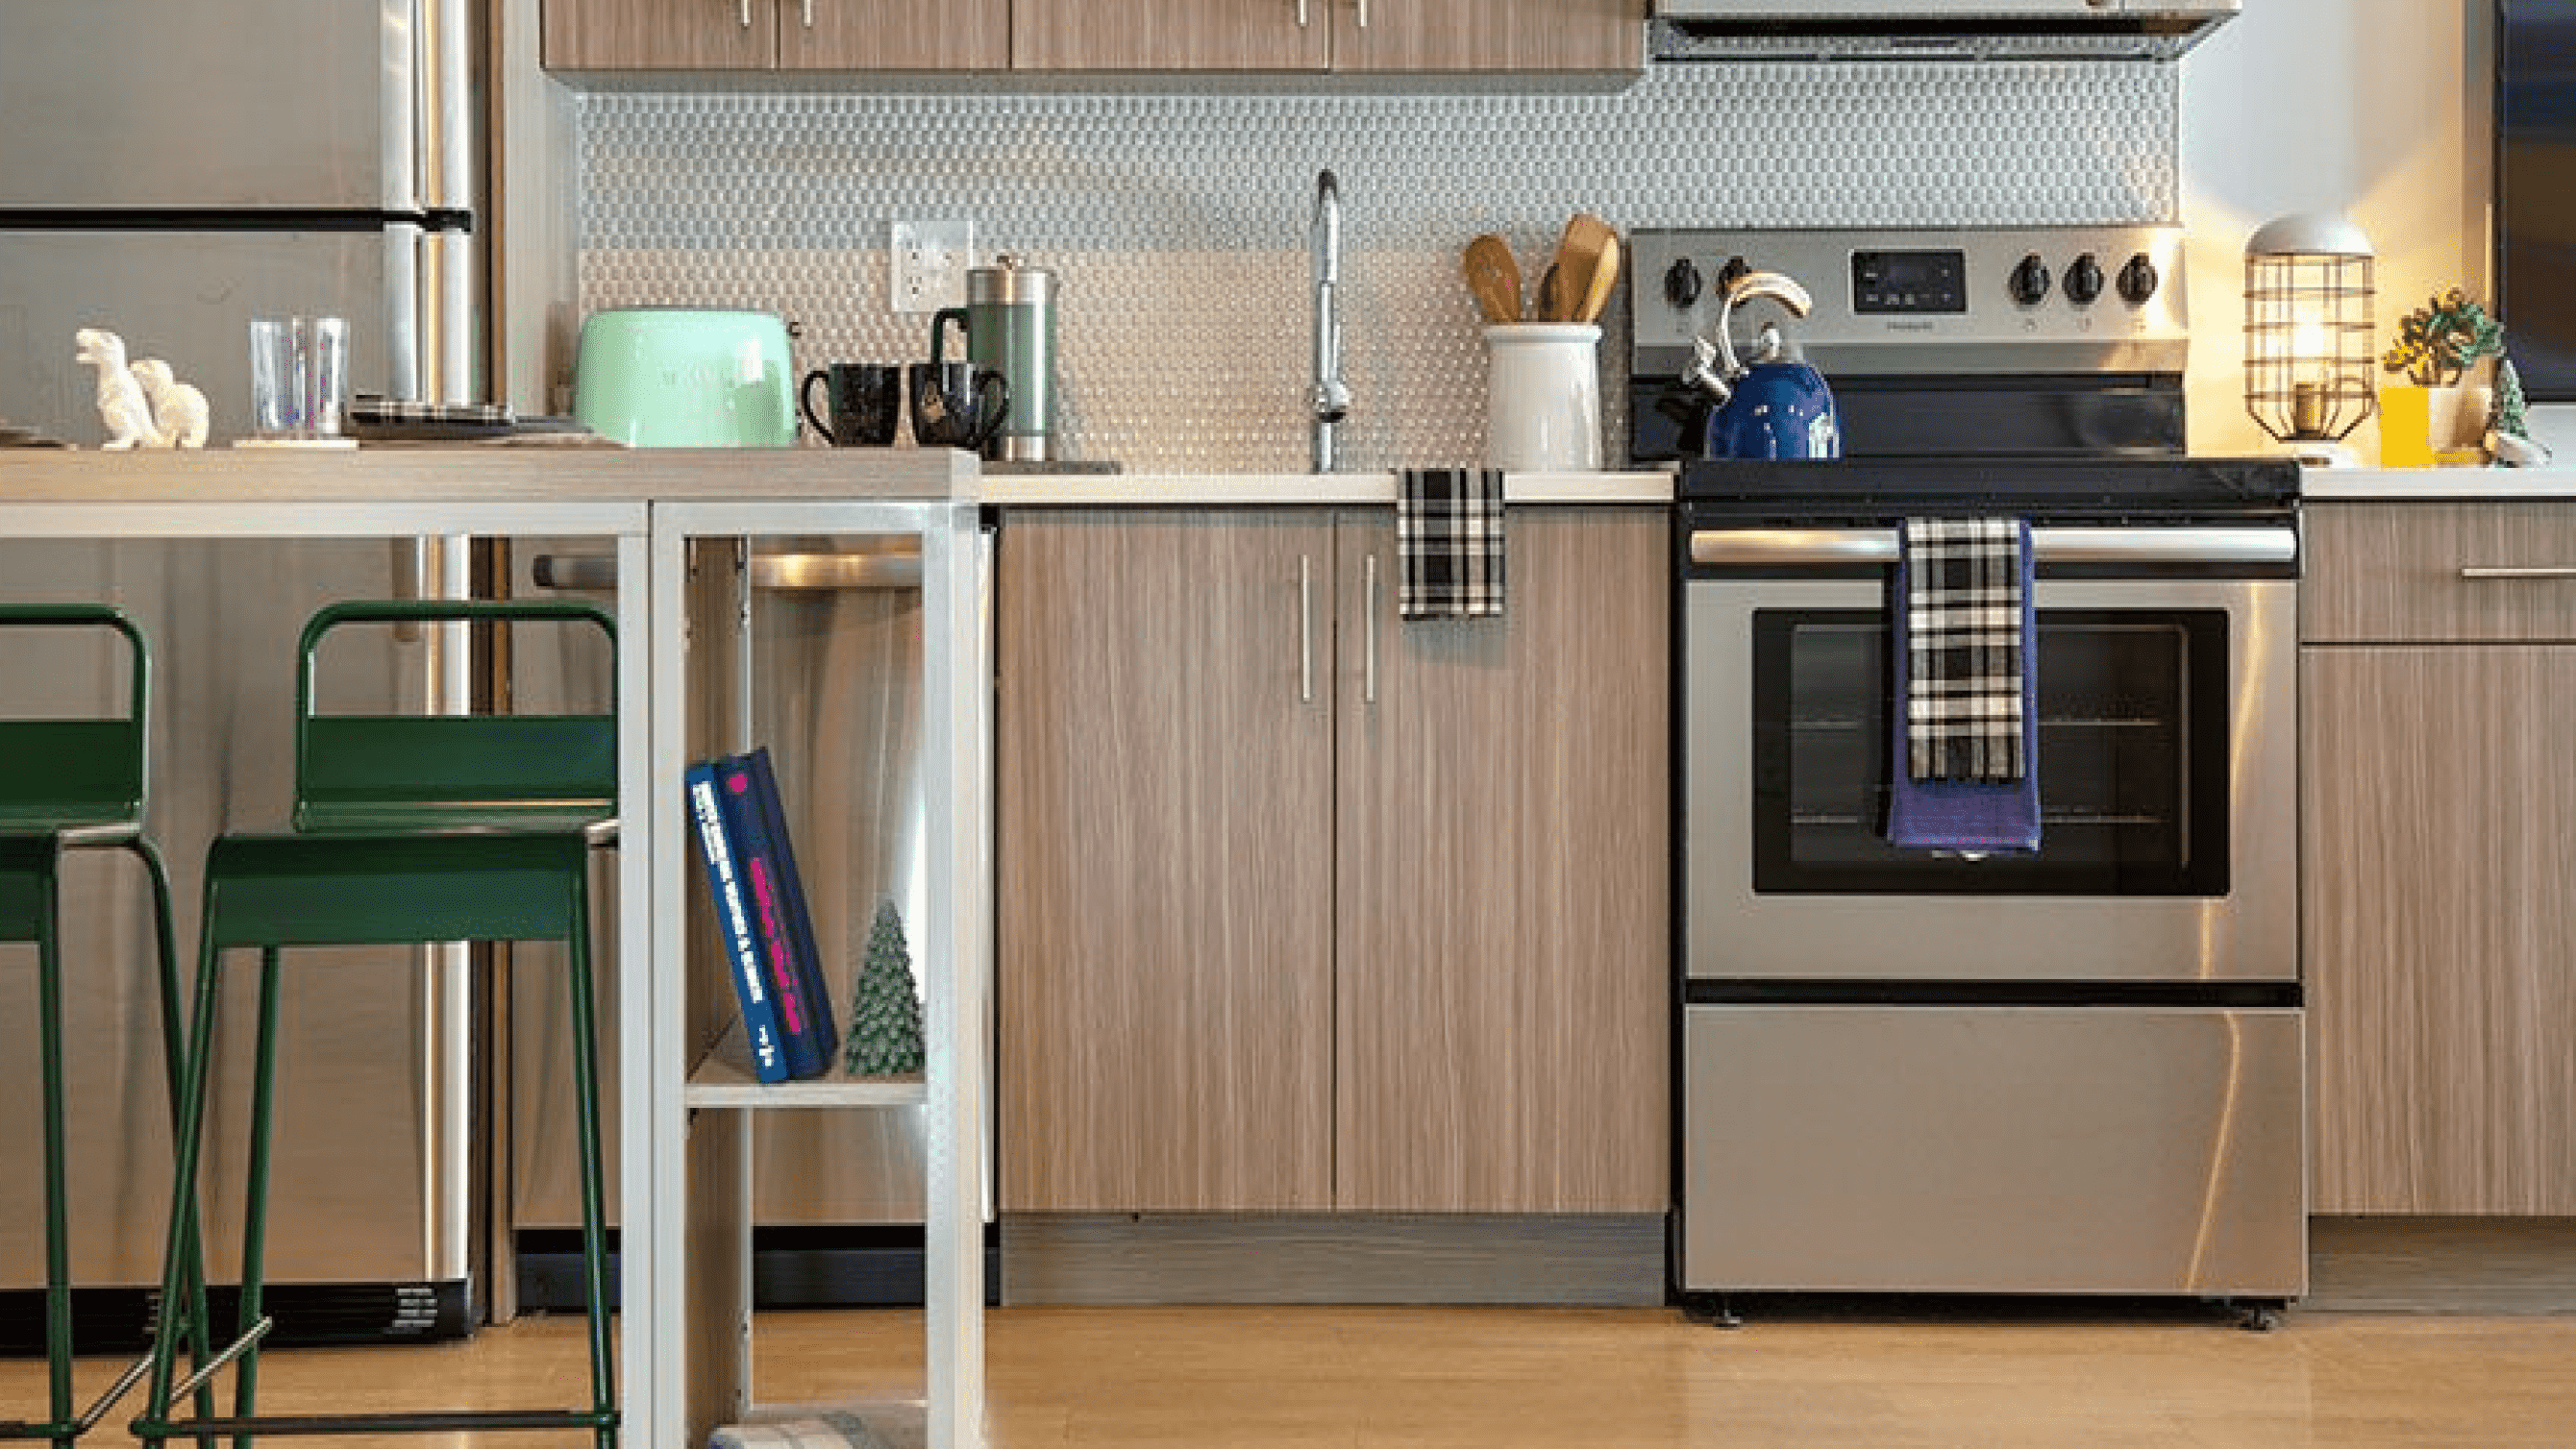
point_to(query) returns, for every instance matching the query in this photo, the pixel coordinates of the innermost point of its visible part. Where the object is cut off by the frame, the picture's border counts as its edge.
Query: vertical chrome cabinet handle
(746, 14)
(1368, 628)
(1301, 14)
(1305, 630)
(1363, 14)
(809, 14)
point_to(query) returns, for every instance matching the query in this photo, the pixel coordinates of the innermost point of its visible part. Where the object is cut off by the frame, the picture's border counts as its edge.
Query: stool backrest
(430, 771)
(83, 769)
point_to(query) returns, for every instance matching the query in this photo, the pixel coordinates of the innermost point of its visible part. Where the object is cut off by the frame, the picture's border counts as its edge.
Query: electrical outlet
(930, 259)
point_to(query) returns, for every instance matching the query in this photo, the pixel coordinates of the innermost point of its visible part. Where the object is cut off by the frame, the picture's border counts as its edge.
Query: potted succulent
(2437, 344)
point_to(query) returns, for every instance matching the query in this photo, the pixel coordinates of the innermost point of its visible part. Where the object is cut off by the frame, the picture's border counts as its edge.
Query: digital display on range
(1933, 281)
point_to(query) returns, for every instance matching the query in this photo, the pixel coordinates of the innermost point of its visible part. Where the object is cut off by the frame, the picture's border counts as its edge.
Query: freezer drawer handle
(789, 572)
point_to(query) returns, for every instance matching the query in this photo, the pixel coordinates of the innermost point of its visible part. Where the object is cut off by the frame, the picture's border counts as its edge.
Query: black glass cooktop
(2164, 491)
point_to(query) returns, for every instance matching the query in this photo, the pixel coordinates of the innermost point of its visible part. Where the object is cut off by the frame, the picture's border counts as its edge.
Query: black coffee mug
(863, 399)
(957, 404)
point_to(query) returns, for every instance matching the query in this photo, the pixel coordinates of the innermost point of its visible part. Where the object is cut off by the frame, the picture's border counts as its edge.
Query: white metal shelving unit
(700, 1341)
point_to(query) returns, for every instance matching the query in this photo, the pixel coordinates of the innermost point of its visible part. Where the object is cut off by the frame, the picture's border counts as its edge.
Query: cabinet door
(2440, 836)
(894, 34)
(1213, 35)
(1503, 879)
(1487, 35)
(1163, 792)
(660, 34)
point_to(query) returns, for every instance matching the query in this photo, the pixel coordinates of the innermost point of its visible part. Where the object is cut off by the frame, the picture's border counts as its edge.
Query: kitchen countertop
(1183, 490)
(2389, 485)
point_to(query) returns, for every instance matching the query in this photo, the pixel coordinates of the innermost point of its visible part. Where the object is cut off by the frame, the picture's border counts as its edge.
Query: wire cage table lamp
(2308, 333)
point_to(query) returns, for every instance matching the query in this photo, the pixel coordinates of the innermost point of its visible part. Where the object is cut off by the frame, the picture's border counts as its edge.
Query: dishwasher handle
(787, 572)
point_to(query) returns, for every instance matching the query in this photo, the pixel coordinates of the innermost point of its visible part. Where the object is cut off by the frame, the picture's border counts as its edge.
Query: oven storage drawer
(2472, 571)
(2044, 1149)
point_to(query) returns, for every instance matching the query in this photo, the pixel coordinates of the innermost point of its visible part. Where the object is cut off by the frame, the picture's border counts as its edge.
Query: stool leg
(174, 1054)
(594, 1250)
(58, 1253)
(254, 1265)
(177, 1260)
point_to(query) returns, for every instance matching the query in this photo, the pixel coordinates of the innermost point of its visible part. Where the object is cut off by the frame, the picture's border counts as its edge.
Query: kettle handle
(1779, 286)
(939, 321)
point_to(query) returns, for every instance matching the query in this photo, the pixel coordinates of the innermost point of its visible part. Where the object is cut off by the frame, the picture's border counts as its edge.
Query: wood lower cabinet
(1338, 35)
(1501, 917)
(2439, 834)
(1302, 906)
(689, 35)
(1164, 816)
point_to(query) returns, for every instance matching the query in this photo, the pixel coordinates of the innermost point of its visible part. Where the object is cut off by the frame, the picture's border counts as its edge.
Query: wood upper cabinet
(1163, 823)
(1488, 35)
(1194, 35)
(1338, 35)
(2439, 830)
(685, 35)
(1304, 906)
(1502, 923)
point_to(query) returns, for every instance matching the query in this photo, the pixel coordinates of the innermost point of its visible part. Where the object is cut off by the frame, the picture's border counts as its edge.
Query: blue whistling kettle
(1778, 407)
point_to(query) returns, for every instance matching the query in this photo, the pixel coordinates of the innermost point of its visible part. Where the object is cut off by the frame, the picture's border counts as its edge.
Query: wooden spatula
(1578, 256)
(1494, 278)
(1605, 275)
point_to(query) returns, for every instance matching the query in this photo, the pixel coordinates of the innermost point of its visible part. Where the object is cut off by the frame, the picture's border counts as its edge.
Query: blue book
(733, 923)
(756, 862)
(800, 918)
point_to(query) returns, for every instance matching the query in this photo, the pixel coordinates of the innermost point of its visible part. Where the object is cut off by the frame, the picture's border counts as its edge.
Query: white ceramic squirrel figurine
(179, 412)
(120, 398)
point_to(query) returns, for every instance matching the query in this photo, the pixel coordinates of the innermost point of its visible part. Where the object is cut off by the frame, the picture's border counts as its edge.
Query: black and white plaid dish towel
(1967, 604)
(1449, 540)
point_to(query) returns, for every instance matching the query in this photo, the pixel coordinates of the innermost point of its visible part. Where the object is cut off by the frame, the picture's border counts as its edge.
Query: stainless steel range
(2073, 1070)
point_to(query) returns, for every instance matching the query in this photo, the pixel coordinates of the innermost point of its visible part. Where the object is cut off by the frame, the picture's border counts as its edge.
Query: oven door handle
(1794, 547)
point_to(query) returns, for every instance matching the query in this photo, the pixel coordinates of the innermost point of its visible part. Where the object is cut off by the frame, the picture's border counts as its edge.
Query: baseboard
(2504, 1266)
(1121, 1258)
(121, 1319)
(791, 1267)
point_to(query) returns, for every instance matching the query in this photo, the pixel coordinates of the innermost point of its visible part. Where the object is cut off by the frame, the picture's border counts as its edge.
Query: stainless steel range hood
(1952, 30)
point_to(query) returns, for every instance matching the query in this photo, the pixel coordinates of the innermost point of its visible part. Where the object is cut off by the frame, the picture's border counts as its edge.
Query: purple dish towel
(1963, 815)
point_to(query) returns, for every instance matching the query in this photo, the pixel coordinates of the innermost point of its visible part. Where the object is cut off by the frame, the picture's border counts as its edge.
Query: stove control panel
(1997, 300)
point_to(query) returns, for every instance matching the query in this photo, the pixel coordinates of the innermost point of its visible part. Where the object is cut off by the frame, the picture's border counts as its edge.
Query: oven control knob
(2138, 280)
(2083, 280)
(1681, 283)
(2029, 283)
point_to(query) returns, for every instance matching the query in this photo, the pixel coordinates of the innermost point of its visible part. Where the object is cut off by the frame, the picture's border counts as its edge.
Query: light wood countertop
(476, 472)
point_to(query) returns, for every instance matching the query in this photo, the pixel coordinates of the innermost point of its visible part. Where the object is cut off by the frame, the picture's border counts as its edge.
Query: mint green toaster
(680, 377)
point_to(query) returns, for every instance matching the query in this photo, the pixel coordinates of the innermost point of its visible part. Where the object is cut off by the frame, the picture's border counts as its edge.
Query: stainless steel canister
(1010, 328)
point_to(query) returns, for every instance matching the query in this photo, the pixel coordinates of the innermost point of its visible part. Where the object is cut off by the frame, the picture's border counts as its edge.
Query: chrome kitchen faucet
(1332, 398)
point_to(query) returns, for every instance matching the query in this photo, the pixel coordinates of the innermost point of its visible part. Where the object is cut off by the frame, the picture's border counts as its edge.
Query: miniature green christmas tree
(2512, 411)
(885, 1022)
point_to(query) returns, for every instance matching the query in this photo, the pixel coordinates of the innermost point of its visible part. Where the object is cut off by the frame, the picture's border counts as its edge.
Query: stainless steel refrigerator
(168, 169)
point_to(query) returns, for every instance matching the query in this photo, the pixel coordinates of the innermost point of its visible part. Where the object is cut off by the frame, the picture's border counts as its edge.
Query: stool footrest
(429, 1421)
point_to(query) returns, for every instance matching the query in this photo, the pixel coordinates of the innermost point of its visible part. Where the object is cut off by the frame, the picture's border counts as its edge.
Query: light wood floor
(1365, 1378)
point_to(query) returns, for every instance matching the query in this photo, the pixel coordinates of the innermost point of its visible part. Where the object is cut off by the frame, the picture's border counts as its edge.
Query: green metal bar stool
(407, 829)
(79, 782)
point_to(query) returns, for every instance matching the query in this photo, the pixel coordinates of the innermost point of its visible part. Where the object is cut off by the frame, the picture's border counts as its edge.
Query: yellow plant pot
(2420, 427)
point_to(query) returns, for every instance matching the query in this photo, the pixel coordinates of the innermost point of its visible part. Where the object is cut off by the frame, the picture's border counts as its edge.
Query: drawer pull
(2537, 571)
(1305, 630)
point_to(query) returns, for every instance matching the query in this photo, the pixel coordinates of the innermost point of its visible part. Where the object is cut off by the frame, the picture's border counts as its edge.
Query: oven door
(2167, 791)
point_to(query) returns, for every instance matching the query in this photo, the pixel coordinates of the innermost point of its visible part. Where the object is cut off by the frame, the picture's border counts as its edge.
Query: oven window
(2133, 736)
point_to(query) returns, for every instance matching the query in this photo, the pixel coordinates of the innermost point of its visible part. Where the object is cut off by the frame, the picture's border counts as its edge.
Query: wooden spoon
(1550, 303)
(1604, 277)
(1578, 257)
(1494, 278)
